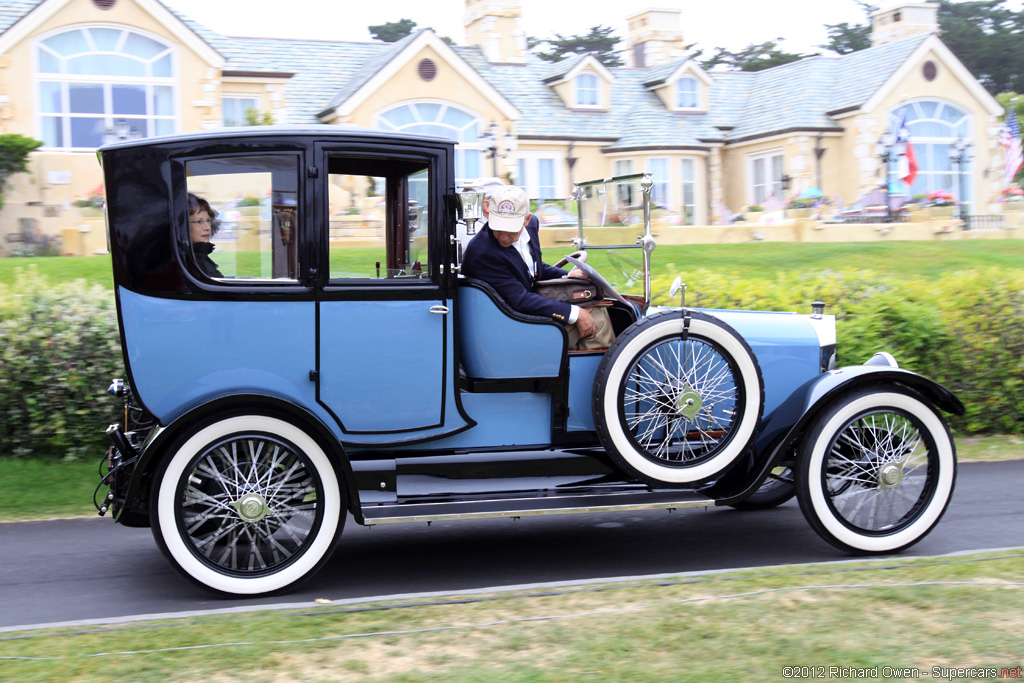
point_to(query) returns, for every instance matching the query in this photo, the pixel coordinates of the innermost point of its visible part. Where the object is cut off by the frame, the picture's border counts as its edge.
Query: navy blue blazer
(503, 268)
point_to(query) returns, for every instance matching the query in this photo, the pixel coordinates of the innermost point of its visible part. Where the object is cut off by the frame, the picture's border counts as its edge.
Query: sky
(732, 24)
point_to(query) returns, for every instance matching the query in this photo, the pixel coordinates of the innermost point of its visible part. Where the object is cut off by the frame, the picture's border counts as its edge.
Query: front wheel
(876, 471)
(247, 505)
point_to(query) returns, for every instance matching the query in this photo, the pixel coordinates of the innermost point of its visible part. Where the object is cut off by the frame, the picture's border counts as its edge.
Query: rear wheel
(876, 471)
(675, 407)
(248, 505)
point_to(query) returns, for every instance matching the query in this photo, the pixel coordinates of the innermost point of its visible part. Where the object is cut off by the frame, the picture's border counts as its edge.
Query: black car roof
(347, 131)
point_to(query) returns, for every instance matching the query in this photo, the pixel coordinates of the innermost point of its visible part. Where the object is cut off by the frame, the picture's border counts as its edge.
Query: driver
(506, 255)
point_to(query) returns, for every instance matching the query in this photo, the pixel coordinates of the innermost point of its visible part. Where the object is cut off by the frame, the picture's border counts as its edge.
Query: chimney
(654, 37)
(899, 19)
(493, 25)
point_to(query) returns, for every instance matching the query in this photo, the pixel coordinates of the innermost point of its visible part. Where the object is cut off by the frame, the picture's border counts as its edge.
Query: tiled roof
(384, 54)
(859, 75)
(793, 96)
(12, 10)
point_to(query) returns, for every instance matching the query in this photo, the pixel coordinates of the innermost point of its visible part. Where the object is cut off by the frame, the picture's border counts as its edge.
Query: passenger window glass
(378, 220)
(243, 216)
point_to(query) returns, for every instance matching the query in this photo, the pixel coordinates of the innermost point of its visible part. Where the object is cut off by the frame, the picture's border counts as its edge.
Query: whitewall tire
(678, 409)
(247, 505)
(876, 471)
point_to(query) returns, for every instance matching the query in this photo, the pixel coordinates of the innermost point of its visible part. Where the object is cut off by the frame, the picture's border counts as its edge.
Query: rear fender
(167, 437)
(784, 427)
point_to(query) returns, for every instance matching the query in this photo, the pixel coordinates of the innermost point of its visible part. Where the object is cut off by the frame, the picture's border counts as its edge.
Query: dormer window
(586, 90)
(686, 93)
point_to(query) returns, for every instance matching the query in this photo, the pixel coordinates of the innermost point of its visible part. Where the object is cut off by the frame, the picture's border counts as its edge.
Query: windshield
(610, 227)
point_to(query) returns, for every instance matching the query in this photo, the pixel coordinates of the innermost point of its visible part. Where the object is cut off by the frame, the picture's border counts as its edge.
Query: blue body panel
(494, 345)
(582, 370)
(184, 353)
(382, 364)
(507, 420)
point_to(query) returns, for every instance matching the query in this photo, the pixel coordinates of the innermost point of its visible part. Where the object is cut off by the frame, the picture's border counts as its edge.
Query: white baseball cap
(507, 209)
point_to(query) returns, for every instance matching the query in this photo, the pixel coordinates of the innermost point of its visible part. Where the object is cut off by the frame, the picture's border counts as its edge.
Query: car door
(385, 360)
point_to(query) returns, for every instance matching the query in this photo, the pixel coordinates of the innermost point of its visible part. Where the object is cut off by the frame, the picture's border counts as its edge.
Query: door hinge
(312, 172)
(313, 375)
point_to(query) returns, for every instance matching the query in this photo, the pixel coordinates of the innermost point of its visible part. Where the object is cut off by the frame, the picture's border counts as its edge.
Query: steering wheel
(581, 255)
(596, 278)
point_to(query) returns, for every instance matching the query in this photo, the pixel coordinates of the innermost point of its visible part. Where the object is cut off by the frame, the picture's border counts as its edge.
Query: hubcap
(251, 508)
(890, 476)
(688, 403)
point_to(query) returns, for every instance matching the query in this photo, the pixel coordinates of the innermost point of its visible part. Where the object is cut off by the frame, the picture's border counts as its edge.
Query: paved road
(91, 568)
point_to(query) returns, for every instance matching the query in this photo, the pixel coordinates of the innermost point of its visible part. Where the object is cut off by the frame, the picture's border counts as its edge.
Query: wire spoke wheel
(247, 505)
(680, 401)
(677, 405)
(876, 470)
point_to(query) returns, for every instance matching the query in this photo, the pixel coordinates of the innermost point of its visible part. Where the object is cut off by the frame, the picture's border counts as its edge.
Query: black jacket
(202, 251)
(503, 268)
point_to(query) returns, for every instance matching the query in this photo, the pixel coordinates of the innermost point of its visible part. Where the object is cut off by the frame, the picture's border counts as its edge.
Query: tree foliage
(845, 38)
(392, 31)
(754, 57)
(14, 151)
(600, 42)
(988, 37)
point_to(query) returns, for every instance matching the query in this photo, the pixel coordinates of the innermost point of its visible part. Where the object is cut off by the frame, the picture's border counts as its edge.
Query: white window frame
(757, 192)
(580, 90)
(108, 117)
(691, 184)
(935, 171)
(679, 93)
(528, 165)
(662, 184)
(466, 137)
(256, 99)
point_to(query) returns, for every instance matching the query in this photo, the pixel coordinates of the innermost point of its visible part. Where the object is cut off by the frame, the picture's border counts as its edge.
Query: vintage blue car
(325, 356)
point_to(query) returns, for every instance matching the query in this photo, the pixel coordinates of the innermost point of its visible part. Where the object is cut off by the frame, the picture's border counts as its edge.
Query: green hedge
(59, 349)
(60, 346)
(965, 331)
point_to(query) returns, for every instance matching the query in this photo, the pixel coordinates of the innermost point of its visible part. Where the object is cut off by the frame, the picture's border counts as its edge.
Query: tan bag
(571, 290)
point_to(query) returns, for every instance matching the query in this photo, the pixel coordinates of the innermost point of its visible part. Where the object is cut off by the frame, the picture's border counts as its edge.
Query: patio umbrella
(811, 193)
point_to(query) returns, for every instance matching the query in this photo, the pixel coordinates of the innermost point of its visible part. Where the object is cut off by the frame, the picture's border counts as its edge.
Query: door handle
(439, 309)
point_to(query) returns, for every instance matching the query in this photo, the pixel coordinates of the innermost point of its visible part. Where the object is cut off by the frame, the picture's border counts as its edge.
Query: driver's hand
(585, 324)
(576, 272)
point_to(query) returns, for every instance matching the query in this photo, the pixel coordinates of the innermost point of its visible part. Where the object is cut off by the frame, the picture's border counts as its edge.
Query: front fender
(784, 426)
(166, 437)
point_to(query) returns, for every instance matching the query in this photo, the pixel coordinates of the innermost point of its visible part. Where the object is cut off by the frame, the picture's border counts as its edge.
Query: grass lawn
(928, 260)
(934, 615)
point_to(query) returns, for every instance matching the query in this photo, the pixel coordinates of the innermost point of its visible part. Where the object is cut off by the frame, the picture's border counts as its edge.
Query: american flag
(1010, 140)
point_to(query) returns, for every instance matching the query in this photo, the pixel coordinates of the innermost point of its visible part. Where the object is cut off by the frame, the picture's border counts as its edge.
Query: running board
(523, 507)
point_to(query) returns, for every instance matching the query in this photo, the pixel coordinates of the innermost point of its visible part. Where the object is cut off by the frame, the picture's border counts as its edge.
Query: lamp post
(960, 155)
(886, 151)
(496, 149)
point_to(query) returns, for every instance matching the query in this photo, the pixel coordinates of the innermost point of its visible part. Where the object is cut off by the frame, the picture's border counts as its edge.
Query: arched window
(934, 126)
(686, 93)
(94, 80)
(586, 90)
(444, 120)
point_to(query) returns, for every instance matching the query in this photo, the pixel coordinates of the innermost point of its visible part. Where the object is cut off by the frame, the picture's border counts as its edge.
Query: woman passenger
(202, 225)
